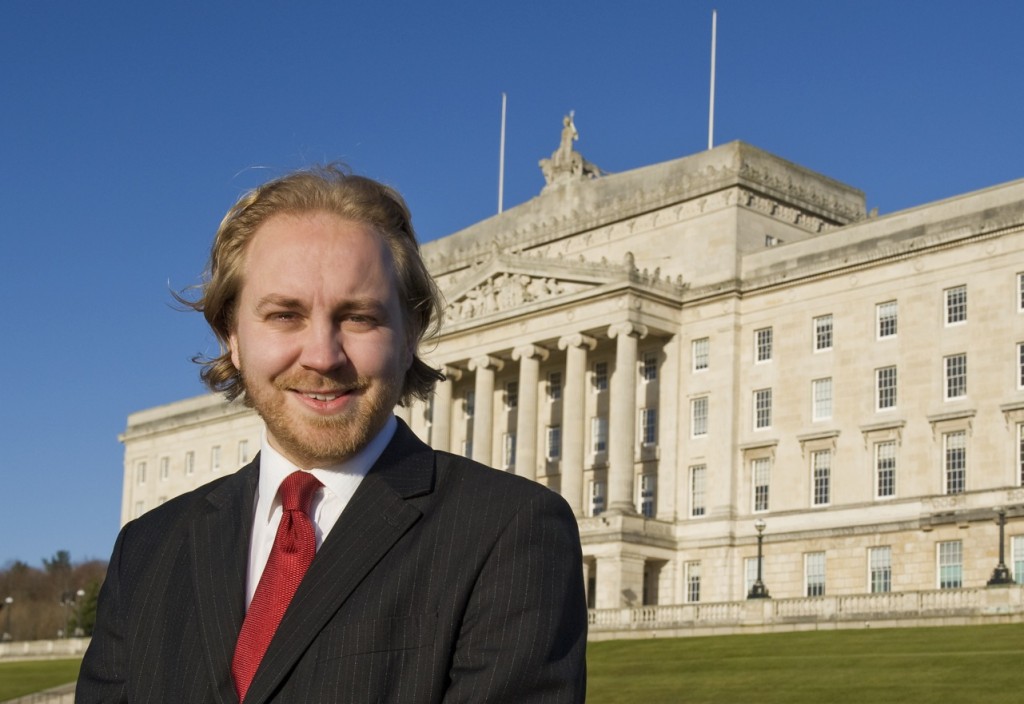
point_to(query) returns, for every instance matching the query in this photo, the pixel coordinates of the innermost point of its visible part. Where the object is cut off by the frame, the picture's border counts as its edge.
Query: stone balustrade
(924, 608)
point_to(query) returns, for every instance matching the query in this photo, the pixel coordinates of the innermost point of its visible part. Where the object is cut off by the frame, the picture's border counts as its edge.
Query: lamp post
(8, 603)
(78, 613)
(757, 589)
(1001, 574)
(66, 600)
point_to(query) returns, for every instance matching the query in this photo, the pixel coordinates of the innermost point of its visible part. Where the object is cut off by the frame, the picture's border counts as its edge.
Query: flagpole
(501, 156)
(711, 106)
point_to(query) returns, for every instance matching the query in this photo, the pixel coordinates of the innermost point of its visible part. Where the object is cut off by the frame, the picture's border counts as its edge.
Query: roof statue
(566, 164)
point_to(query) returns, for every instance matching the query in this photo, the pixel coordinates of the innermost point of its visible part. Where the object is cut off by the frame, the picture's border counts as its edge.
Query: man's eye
(283, 316)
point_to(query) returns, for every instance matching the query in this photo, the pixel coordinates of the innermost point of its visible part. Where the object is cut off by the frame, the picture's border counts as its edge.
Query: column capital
(529, 352)
(450, 372)
(485, 361)
(576, 339)
(627, 328)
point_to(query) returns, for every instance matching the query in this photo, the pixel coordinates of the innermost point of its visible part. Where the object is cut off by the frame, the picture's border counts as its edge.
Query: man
(349, 562)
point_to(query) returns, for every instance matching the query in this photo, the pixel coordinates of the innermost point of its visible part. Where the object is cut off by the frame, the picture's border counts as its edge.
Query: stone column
(441, 432)
(529, 358)
(574, 395)
(483, 416)
(620, 581)
(622, 419)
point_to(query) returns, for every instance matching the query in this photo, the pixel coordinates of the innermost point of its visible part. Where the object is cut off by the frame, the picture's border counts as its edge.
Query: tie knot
(297, 491)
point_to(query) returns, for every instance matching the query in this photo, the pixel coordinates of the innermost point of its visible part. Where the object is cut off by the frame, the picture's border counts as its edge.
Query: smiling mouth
(322, 397)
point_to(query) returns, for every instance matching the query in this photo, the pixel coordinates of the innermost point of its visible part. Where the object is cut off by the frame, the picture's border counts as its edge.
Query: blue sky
(127, 129)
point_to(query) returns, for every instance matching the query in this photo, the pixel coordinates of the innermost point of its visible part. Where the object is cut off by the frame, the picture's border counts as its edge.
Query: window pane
(956, 305)
(697, 478)
(956, 376)
(763, 408)
(950, 565)
(762, 479)
(763, 344)
(880, 569)
(822, 462)
(955, 458)
(815, 570)
(887, 320)
(822, 405)
(885, 468)
(823, 332)
(692, 582)
(885, 388)
(699, 416)
(701, 354)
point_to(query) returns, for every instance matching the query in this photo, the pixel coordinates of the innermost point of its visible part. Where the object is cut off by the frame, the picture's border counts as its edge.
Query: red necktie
(294, 548)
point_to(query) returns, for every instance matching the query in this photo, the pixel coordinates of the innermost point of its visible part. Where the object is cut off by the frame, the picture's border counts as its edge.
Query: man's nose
(323, 347)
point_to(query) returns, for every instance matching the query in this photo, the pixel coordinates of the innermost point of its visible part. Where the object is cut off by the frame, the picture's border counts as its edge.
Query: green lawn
(959, 665)
(26, 677)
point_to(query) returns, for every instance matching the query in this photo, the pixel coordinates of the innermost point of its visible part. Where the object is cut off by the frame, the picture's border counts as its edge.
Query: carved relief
(505, 291)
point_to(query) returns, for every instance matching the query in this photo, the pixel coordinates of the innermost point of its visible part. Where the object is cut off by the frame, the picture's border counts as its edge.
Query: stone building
(685, 348)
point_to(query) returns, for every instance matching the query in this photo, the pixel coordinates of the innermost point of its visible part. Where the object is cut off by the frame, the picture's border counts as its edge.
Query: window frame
(814, 574)
(821, 399)
(955, 305)
(760, 484)
(823, 331)
(699, 408)
(954, 463)
(698, 490)
(700, 350)
(554, 387)
(885, 476)
(949, 573)
(954, 376)
(880, 570)
(883, 320)
(886, 390)
(553, 443)
(762, 408)
(763, 345)
(821, 478)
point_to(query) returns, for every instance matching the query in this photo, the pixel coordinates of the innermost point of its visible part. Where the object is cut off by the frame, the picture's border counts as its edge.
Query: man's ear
(233, 348)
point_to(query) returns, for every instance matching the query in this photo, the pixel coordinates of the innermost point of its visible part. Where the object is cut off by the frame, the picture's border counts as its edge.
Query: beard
(311, 440)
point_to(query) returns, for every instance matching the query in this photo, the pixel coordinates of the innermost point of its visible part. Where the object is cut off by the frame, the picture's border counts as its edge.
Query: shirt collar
(274, 467)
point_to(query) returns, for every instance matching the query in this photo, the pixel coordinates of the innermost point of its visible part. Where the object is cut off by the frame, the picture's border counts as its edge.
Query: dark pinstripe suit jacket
(442, 581)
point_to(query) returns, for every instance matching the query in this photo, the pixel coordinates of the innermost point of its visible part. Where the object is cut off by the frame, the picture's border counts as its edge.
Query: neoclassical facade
(689, 348)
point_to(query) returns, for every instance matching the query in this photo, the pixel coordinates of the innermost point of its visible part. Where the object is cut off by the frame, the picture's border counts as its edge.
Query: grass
(960, 665)
(27, 676)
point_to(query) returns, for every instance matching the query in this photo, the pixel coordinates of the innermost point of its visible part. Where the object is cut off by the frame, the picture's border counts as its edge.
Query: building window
(1017, 558)
(554, 386)
(1020, 365)
(165, 468)
(885, 388)
(140, 473)
(956, 305)
(701, 354)
(1020, 293)
(761, 473)
(190, 462)
(821, 462)
(649, 366)
(951, 565)
(885, 469)
(880, 570)
(956, 376)
(648, 494)
(699, 417)
(599, 434)
(823, 333)
(1020, 453)
(886, 314)
(763, 345)
(511, 395)
(215, 458)
(814, 574)
(243, 452)
(762, 409)
(599, 379)
(821, 406)
(509, 450)
(140, 508)
(692, 582)
(467, 449)
(649, 426)
(554, 443)
(954, 452)
(698, 477)
(597, 500)
(469, 404)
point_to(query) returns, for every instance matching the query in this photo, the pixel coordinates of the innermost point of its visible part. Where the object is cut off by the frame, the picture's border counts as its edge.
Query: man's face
(319, 335)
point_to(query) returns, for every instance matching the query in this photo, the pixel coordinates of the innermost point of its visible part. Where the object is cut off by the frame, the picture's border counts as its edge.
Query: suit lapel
(377, 516)
(220, 554)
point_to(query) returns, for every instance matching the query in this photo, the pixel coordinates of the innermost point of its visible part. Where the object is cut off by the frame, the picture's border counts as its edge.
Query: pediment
(505, 282)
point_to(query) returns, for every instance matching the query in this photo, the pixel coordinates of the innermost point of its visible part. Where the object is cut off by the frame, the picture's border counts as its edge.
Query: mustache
(321, 384)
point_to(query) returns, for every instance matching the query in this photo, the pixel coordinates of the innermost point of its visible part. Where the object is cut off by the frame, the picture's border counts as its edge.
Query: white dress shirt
(339, 484)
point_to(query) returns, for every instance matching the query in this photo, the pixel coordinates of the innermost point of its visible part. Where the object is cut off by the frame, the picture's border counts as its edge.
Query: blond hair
(333, 190)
